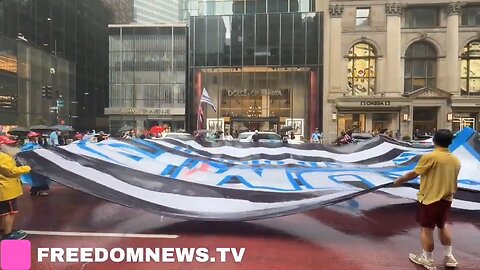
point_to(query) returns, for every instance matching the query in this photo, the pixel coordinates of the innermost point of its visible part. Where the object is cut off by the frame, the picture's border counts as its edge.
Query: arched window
(471, 69)
(420, 66)
(361, 70)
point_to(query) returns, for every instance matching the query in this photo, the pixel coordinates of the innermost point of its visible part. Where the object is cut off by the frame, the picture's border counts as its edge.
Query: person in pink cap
(10, 187)
(39, 183)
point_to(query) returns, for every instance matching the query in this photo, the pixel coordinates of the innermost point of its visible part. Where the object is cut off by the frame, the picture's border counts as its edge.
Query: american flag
(200, 113)
(206, 99)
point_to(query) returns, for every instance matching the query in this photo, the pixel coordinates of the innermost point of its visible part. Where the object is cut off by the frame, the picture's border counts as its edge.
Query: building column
(381, 74)
(333, 70)
(453, 64)
(265, 105)
(449, 123)
(394, 55)
(336, 60)
(406, 125)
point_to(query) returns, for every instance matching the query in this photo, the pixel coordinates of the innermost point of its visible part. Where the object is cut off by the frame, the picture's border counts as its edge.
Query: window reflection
(282, 39)
(361, 70)
(471, 16)
(230, 7)
(420, 17)
(363, 17)
(147, 67)
(420, 66)
(470, 84)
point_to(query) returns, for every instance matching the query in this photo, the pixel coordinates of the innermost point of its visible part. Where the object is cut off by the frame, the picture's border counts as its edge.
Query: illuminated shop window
(471, 69)
(361, 70)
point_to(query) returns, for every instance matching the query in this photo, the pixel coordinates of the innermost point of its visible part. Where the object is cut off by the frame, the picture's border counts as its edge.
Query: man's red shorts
(435, 214)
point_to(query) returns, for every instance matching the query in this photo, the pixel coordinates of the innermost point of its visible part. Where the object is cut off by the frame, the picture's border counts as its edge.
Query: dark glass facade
(229, 7)
(279, 39)
(25, 72)
(262, 67)
(147, 76)
(74, 31)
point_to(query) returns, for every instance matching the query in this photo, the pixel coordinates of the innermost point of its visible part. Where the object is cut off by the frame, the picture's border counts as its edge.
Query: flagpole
(199, 116)
(218, 100)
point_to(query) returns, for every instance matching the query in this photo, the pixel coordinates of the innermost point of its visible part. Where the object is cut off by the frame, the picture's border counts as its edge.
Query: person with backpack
(316, 137)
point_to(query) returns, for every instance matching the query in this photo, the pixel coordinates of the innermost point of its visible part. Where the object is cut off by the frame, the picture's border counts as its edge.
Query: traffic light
(47, 91)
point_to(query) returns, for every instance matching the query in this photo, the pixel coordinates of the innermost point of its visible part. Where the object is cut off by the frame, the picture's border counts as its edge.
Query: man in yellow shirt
(10, 187)
(438, 183)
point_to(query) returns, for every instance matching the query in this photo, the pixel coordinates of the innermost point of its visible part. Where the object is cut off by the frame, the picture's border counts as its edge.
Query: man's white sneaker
(450, 261)
(421, 260)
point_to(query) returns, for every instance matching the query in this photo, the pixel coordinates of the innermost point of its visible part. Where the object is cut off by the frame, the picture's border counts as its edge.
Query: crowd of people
(438, 172)
(11, 173)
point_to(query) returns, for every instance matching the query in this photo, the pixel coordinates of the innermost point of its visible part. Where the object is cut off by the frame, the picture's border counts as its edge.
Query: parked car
(176, 135)
(423, 143)
(264, 137)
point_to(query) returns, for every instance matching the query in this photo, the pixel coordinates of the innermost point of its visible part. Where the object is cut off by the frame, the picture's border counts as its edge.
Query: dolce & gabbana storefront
(258, 98)
(263, 71)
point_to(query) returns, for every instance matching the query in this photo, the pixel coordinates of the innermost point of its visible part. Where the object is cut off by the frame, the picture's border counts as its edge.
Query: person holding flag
(39, 183)
(11, 187)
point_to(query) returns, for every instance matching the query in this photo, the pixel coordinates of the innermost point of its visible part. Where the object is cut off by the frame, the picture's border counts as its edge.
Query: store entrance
(424, 120)
(239, 125)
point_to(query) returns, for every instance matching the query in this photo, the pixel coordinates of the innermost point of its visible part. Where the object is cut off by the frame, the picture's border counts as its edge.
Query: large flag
(206, 99)
(241, 181)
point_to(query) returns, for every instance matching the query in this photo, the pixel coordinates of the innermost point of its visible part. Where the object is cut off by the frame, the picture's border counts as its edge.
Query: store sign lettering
(375, 103)
(254, 93)
(156, 111)
(129, 111)
(463, 115)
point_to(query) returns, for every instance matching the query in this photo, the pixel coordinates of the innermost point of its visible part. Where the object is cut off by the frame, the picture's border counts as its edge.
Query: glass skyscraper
(148, 67)
(261, 63)
(158, 11)
(59, 44)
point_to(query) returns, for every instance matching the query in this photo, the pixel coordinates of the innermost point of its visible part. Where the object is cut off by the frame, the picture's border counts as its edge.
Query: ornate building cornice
(336, 11)
(394, 9)
(455, 8)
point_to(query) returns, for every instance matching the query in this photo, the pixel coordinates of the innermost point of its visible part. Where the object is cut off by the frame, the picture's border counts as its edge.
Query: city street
(374, 231)
(228, 134)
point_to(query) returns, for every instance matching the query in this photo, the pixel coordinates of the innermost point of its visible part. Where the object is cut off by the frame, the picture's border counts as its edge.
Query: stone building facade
(404, 65)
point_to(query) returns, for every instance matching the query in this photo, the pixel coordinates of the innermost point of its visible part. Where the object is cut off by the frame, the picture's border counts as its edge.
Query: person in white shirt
(228, 137)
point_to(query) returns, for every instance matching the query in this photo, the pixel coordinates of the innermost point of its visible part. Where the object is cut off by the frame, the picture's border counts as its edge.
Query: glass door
(468, 122)
(460, 123)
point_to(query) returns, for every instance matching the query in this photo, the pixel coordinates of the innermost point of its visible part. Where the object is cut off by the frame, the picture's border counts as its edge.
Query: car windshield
(244, 136)
(269, 136)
